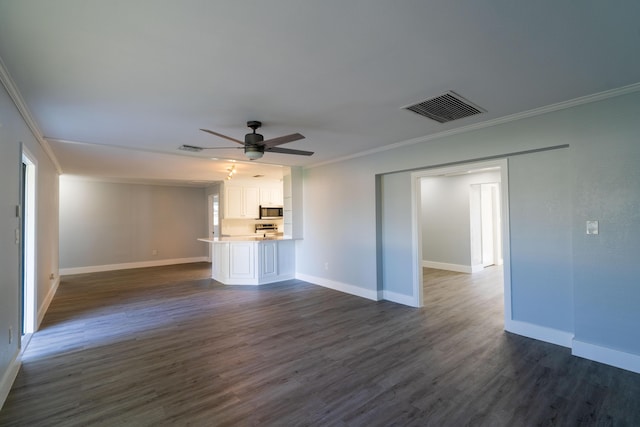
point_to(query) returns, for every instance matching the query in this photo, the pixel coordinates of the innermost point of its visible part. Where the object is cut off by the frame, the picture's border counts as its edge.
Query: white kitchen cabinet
(252, 202)
(241, 202)
(268, 259)
(271, 196)
(242, 260)
(220, 260)
(251, 262)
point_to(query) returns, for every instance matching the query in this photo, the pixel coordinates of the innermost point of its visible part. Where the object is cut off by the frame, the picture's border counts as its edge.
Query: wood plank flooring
(168, 346)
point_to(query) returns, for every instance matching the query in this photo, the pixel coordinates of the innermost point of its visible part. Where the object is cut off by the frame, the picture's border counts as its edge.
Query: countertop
(251, 238)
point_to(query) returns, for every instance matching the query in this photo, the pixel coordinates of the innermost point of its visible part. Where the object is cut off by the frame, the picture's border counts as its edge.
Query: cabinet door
(220, 267)
(268, 259)
(278, 198)
(234, 201)
(251, 202)
(242, 260)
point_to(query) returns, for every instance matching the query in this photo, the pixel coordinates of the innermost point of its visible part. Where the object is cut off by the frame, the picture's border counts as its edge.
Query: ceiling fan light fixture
(255, 144)
(253, 153)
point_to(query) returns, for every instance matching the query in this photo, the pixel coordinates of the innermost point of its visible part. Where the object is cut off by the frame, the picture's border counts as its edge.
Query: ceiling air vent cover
(192, 148)
(445, 108)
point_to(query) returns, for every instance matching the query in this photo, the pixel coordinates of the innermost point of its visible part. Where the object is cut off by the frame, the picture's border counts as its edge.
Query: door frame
(28, 254)
(416, 224)
(211, 228)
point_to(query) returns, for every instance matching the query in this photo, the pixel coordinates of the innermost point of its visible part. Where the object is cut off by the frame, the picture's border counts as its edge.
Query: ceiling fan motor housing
(253, 138)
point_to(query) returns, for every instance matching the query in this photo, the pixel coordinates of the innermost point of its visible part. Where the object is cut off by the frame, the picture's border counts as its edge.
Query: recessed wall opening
(459, 224)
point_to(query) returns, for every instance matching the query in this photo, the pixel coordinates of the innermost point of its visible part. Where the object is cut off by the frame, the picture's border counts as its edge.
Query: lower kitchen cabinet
(252, 262)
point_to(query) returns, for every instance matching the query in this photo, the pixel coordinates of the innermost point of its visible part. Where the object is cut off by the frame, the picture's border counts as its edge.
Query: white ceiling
(117, 85)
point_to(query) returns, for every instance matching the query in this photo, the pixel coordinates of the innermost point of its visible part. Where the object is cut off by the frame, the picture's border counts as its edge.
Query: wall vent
(445, 108)
(192, 148)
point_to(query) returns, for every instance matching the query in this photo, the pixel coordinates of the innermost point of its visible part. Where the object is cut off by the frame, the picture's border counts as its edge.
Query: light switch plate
(592, 227)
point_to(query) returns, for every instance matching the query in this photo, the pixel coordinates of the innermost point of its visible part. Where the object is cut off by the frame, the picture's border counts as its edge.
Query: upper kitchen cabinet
(271, 195)
(241, 201)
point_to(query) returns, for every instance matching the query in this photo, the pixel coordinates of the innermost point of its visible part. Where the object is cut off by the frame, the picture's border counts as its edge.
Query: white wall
(105, 223)
(596, 296)
(13, 132)
(446, 227)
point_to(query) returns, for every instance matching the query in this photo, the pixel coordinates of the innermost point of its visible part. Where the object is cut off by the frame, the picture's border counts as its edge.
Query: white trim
(8, 378)
(256, 282)
(624, 90)
(128, 265)
(399, 298)
(30, 241)
(42, 310)
(21, 105)
(339, 286)
(460, 268)
(478, 267)
(416, 241)
(541, 333)
(505, 262)
(608, 356)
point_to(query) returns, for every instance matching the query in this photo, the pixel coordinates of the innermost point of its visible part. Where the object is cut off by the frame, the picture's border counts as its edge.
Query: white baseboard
(608, 356)
(542, 333)
(339, 286)
(8, 378)
(42, 310)
(476, 268)
(128, 265)
(460, 268)
(399, 298)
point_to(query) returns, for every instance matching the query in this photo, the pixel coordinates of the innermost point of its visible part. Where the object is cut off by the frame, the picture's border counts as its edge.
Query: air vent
(191, 148)
(445, 108)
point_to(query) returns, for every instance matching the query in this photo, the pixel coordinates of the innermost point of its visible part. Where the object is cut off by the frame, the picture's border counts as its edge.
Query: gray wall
(540, 227)
(396, 227)
(605, 182)
(596, 295)
(13, 131)
(104, 223)
(446, 226)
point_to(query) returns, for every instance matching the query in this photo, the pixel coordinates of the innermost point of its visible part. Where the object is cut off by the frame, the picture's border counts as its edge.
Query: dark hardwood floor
(168, 346)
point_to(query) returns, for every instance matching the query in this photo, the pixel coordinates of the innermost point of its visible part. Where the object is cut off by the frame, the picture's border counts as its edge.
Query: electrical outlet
(326, 266)
(52, 276)
(592, 227)
(154, 252)
(10, 334)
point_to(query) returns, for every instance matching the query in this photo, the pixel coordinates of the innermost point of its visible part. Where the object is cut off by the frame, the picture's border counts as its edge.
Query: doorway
(485, 225)
(213, 215)
(27, 214)
(491, 230)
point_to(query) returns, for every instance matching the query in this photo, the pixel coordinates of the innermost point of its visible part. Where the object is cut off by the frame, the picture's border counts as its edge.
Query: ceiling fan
(254, 144)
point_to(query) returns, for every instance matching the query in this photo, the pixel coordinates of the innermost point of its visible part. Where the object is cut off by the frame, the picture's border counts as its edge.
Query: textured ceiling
(129, 81)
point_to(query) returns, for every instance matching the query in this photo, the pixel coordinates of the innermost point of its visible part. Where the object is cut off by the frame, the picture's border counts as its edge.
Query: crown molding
(24, 111)
(624, 90)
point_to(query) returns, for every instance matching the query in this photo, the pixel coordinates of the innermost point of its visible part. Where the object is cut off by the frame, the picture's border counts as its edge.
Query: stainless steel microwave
(270, 212)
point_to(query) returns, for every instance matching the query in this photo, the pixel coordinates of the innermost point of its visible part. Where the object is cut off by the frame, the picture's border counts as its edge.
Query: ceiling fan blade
(282, 140)
(222, 136)
(288, 151)
(222, 148)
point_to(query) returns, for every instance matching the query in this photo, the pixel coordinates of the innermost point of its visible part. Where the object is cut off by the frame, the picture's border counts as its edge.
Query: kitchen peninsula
(252, 260)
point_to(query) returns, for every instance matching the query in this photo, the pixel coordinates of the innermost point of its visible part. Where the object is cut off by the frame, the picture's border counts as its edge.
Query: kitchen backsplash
(244, 227)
